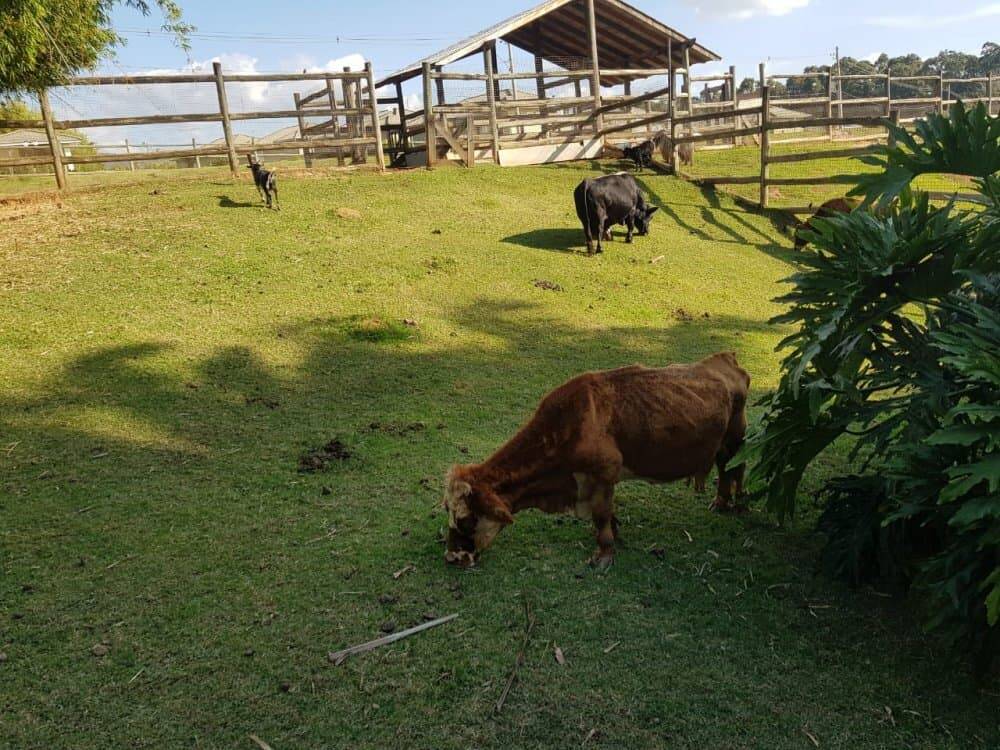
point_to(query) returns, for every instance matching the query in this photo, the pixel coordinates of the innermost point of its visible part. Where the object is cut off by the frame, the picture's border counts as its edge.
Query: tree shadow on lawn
(407, 408)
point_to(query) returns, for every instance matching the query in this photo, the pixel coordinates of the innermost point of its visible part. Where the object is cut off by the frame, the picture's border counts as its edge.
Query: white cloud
(929, 22)
(131, 101)
(743, 9)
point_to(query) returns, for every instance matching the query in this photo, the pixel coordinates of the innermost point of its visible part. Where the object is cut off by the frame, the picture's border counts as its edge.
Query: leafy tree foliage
(43, 42)
(896, 314)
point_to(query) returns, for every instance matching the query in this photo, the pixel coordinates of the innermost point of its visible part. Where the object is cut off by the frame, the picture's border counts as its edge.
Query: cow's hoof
(602, 560)
(720, 506)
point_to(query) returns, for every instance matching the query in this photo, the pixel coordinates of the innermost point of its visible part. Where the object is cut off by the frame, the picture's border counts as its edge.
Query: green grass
(165, 359)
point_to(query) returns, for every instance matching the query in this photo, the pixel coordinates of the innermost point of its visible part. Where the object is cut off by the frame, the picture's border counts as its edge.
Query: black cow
(641, 155)
(606, 201)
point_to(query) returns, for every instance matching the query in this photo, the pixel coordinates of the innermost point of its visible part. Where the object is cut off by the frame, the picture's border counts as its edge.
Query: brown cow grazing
(827, 210)
(655, 424)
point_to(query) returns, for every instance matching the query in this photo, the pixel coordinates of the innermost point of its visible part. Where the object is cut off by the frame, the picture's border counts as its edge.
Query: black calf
(266, 182)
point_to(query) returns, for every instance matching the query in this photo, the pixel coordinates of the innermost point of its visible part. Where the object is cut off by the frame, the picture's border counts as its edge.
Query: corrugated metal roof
(640, 41)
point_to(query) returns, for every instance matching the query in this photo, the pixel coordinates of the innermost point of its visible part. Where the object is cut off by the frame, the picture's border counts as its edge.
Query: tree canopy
(43, 42)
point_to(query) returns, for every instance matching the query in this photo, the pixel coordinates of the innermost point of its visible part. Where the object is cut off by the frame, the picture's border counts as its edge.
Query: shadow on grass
(557, 240)
(226, 202)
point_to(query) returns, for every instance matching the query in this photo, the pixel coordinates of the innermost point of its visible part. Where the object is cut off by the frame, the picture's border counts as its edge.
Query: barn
(587, 54)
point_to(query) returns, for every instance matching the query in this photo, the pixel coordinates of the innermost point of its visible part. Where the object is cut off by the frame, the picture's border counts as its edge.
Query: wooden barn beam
(595, 63)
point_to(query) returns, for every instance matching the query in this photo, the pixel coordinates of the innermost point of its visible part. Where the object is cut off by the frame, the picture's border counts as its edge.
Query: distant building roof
(36, 137)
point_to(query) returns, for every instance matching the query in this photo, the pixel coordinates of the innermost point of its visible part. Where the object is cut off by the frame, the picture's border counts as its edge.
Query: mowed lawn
(170, 578)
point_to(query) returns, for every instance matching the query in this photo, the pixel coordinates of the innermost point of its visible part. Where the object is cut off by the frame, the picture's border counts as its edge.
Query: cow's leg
(605, 523)
(723, 502)
(601, 221)
(630, 225)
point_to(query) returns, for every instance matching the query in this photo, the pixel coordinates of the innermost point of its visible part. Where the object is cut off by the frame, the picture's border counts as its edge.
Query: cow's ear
(650, 210)
(460, 488)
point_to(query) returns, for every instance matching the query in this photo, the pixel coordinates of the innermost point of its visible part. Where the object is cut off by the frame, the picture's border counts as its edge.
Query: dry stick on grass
(529, 625)
(339, 657)
(259, 742)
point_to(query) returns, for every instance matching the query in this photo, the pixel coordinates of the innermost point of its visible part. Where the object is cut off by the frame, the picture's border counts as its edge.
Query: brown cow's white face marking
(472, 522)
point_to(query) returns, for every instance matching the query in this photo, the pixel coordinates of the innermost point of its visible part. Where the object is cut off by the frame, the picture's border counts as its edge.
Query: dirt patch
(320, 460)
(546, 285)
(394, 428)
(349, 214)
(686, 316)
(270, 403)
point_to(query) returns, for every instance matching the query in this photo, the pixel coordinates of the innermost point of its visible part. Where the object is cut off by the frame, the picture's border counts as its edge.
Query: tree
(43, 42)
(15, 109)
(896, 347)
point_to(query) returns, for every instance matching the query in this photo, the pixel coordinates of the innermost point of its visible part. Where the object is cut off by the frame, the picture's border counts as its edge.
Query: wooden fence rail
(359, 110)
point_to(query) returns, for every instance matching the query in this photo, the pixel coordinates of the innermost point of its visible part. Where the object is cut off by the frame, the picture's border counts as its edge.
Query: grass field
(169, 578)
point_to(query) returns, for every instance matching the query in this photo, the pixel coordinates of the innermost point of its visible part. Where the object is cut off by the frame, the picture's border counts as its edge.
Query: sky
(269, 36)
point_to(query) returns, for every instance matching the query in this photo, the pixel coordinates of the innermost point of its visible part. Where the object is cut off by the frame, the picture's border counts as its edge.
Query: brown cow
(656, 424)
(827, 210)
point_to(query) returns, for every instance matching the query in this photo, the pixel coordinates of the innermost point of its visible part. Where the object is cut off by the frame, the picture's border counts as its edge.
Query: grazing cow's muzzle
(460, 549)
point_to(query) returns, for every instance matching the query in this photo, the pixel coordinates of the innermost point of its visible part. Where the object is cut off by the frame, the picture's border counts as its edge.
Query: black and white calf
(641, 155)
(606, 201)
(266, 182)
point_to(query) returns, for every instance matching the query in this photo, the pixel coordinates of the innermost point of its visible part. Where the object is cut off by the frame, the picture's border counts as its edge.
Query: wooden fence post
(829, 101)
(352, 94)
(128, 150)
(194, 147)
(429, 134)
(227, 128)
(894, 117)
(888, 92)
(765, 142)
(942, 107)
(306, 152)
(470, 132)
(595, 80)
(376, 125)
(734, 95)
(491, 100)
(331, 95)
(989, 93)
(54, 145)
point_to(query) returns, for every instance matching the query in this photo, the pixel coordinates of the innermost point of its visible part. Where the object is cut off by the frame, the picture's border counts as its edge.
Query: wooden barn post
(989, 93)
(404, 138)
(829, 101)
(307, 154)
(376, 124)
(55, 147)
(687, 79)
(227, 126)
(765, 141)
(595, 80)
(128, 150)
(735, 98)
(491, 100)
(331, 95)
(539, 62)
(429, 134)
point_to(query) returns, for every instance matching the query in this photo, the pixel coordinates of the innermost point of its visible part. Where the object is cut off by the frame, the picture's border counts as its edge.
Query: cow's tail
(586, 208)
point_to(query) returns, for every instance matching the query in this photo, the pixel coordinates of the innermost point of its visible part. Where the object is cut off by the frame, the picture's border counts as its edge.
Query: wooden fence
(355, 118)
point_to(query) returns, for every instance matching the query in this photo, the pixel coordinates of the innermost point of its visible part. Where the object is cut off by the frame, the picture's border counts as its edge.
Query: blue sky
(744, 32)
(283, 35)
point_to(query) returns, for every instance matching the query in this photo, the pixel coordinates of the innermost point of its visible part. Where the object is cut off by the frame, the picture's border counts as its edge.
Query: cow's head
(643, 214)
(476, 514)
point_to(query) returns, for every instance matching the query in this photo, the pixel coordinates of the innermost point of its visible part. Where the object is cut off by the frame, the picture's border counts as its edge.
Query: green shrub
(897, 343)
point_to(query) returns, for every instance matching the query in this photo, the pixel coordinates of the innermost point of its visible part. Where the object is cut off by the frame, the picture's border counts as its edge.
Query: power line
(285, 38)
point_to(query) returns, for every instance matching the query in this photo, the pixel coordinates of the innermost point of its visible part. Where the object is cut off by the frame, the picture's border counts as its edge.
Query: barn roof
(31, 136)
(558, 29)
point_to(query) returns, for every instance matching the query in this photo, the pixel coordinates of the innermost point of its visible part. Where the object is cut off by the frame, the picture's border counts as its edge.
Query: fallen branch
(657, 259)
(259, 742)
(339, 657)
(529, 625)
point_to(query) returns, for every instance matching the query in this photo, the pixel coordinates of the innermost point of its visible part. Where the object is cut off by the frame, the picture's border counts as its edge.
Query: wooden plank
(55, 147)
(765, 139)
(838, 179)
(491, 100)
(331, 95)
(431, 137)
(26, 161)
(727, 180)
(822, 122)
(722, 115)
(595, 81)
(441, 127)
(227, 128)
(306, 153)
(717, 135)
(632, 101)
(567, 74)
(961, 197)
(826, 154)
(635, 72)
(804, 100)
(376, 124)
(636, 124)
